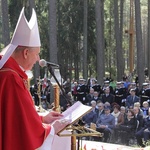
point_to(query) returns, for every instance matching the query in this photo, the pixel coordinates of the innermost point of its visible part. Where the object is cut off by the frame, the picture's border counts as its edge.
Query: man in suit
(91, 116)
(107, 97)
(106, 123)
(131, 99)
(96, 97)
(89, 97)
(139, 118)
(100, 109)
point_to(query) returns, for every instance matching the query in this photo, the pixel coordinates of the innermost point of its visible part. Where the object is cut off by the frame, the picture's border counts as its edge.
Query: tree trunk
(31, 5)
(121, 34)
(52, 31)
(5, 23)
(148, 39)
(99, 12)
(140, 55)
(119, 55)
(85, 68)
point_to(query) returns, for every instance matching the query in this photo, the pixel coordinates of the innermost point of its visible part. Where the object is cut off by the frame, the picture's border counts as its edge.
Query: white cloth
(62, 143)
(54, 142)
(48, 141)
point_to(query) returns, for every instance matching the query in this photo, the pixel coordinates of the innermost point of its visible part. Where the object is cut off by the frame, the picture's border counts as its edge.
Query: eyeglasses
(99, 106)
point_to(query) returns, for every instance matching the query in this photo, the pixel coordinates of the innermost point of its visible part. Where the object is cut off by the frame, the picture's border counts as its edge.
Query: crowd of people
(120, 110)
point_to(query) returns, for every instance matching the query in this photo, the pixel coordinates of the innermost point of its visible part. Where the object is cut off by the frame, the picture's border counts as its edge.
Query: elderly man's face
(32, 56)
(136, 110)
(100, 106)
(93, 104)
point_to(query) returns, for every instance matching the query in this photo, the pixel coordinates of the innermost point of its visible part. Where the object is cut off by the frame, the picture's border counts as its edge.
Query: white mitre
(25, 34)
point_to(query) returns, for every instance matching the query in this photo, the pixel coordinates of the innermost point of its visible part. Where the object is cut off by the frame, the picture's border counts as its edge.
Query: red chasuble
(21, 127)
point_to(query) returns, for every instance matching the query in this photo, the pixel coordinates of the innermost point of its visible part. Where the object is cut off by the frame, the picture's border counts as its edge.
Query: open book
(75, 112)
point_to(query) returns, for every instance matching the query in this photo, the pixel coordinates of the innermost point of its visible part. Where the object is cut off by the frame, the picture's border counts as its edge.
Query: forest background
(98, 38)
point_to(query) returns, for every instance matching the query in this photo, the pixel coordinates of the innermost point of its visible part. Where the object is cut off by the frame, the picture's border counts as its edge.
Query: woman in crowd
(127, 129)
(119, 119)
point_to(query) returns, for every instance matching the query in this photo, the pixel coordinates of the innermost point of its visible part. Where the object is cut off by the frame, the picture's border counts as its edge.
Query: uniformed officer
(144, 93)
(81, 91)
(119, 94)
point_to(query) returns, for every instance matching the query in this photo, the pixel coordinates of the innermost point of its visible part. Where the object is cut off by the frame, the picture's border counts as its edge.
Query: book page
(76, 111)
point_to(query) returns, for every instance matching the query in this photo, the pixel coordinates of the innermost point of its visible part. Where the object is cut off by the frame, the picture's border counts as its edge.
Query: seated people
(100, 109)
(131, 99)
(144, 132)
(91, 116)
(123, 111)
(119, 119)
(107, 96)
(145, 108)
(105, 123)
(127, 129)
(137, 104)
(139, 118)
(89, 97)
(96, 96)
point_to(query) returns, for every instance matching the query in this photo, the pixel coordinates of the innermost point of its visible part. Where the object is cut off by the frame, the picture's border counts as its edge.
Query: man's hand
(52, 116)
(60, 124)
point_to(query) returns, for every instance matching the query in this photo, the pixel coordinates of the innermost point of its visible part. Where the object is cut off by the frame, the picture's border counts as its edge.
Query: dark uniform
(120, 95)
(123, 91)
(144, 93)
(133, 86)
(106, 84)
(81, 91)
(95, 86)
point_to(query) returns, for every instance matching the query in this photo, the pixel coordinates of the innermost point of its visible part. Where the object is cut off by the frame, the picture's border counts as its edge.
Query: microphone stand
(50, 68)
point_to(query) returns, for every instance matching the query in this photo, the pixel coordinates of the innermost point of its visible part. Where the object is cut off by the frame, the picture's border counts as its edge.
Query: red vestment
(21, 127)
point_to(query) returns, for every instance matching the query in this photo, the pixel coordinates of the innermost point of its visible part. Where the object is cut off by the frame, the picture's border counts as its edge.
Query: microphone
(44, 63)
